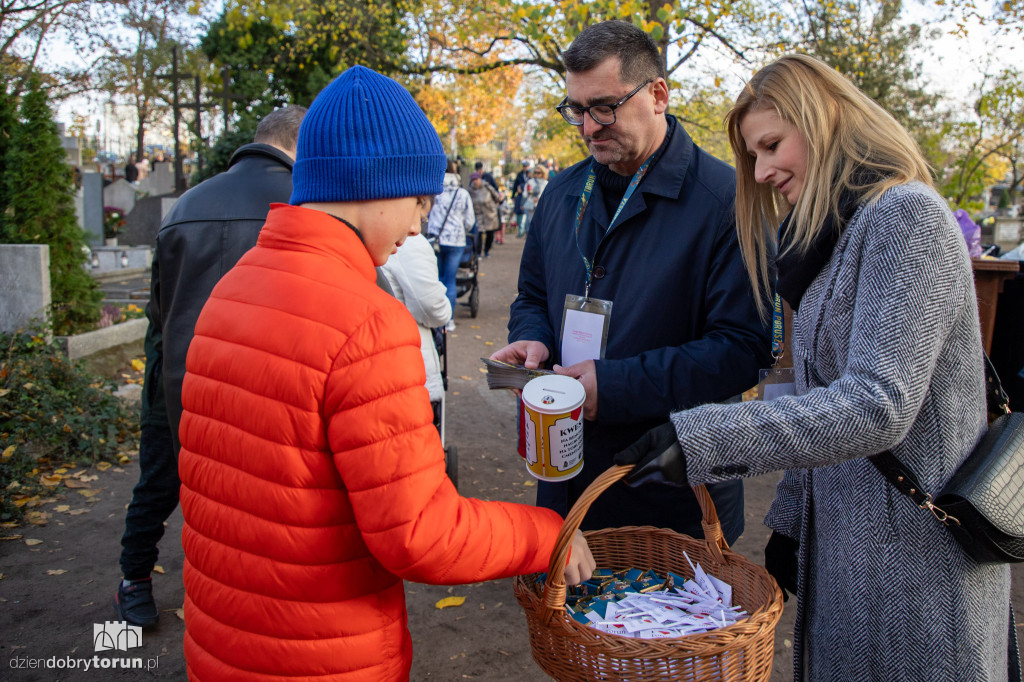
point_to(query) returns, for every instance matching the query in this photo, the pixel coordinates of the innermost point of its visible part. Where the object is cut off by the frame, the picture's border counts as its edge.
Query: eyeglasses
(603, 114)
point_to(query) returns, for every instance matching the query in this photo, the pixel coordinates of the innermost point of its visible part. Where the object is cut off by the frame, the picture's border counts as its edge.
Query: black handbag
(982, 504)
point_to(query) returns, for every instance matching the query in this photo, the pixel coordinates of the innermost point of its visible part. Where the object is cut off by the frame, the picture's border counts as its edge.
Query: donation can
(553, 427)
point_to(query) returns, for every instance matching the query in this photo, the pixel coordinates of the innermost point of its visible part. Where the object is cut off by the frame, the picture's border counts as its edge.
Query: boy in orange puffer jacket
(312, 476)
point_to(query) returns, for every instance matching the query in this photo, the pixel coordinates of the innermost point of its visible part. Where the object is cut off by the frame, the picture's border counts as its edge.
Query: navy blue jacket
(684, 328)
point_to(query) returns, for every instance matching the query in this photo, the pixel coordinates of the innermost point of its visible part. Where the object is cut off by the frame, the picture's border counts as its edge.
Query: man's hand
(530, 354)
(657, 456)
(586, 373)
(581, 562)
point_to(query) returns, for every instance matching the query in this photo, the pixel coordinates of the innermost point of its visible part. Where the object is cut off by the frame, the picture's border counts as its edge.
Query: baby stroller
(451, 453)
(466, 280)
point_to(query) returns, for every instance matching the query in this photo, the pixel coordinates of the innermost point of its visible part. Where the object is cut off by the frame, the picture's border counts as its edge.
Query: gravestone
(24, 284)
(120, 194)
(166, 204)
(142, 224)
(117, 258)
(1007, 232)
(161, 179)
(92, 206)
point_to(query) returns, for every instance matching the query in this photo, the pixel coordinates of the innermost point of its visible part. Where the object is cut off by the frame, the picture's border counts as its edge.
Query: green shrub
(40, 210)
(52, 413)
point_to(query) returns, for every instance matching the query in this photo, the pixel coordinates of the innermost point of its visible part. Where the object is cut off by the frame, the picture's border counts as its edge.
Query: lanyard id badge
(584, 334)
(585, 320)
(778, 380)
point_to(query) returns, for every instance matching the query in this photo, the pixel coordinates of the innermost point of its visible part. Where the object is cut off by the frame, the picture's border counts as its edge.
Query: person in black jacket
(202, 237)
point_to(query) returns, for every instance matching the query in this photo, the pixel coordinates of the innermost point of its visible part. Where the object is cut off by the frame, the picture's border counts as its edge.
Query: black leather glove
(657, 456)
(780, 558)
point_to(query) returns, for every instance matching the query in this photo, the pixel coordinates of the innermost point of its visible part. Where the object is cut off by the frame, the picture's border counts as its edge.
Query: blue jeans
(447, 268)
(522, 224)
(154, 499)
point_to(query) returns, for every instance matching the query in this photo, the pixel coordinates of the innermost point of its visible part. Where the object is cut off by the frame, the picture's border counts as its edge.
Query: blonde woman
(887, 356)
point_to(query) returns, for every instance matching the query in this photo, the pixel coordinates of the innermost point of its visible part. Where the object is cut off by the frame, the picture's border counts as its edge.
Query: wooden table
(989, 276)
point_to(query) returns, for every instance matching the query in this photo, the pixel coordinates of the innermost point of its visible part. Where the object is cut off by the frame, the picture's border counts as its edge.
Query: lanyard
(778, 324)
(778, 331)
(581, 207)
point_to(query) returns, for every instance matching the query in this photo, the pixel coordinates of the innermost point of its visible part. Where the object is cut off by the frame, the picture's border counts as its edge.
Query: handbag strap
(905, 481)
(455, 195)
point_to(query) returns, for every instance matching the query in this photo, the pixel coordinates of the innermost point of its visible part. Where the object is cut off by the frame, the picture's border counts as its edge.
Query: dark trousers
(488, 241)
(154, 499)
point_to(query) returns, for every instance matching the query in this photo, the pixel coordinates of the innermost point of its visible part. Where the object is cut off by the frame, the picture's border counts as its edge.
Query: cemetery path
(58, 579)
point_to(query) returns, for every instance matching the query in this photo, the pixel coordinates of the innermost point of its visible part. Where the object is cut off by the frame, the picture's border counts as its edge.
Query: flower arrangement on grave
(113, 221)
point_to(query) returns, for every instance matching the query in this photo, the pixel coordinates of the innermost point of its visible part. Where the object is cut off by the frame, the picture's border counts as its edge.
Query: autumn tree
(867, 41)
(482, 35)
(985, 146)
(140, 51)
(25, 25)
(40, 210)
(303, 44)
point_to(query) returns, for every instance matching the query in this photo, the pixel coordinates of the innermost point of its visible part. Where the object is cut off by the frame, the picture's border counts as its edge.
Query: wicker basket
(567, 650)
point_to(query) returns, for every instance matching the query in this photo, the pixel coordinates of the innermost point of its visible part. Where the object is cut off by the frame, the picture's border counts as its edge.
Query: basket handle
(555, 588)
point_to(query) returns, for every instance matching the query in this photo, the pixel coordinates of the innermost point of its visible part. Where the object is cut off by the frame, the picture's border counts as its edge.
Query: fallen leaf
(61, 508)
(4, 391)
(482, 370)
(37, 518)
(89, 493)
(159, 569)
(86, 479)
(124, 459)
(138, 365)
(28, 387)
(528, 483)
(103, 466)
(8, 451)
(2, 576)
(10, 537)
(31, 542)
(56, 571)
(449, 601)
(76, 512)
(75, 483)
(51, 479)
(180, 613)
(30, 500)
(488, 343)
(465, 378)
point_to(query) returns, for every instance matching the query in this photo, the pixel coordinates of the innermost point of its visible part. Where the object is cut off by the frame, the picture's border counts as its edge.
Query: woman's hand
(581, 562)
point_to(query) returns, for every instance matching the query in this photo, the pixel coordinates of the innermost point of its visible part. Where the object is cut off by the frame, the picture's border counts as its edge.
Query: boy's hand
(581, 562)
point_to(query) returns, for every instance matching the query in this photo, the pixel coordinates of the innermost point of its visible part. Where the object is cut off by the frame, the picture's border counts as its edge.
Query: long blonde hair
(852, 144)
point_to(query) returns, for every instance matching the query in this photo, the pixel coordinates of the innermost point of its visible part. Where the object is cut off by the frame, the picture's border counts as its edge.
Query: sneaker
(450, 326)
(134, 603)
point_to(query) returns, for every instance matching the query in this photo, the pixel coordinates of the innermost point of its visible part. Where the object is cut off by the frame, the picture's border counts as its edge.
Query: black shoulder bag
(982, 504)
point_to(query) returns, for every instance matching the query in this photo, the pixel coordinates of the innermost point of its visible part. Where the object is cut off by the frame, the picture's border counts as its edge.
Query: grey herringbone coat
(887, 353)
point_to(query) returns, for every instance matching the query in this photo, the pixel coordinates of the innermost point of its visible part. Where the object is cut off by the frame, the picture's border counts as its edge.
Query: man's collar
(260, 149)
(666, 176)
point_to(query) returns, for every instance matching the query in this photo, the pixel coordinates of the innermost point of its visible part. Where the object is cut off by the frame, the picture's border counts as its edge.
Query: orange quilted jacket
(312, 477)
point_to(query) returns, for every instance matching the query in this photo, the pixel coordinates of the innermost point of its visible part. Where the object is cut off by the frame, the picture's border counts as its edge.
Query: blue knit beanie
(364, 137)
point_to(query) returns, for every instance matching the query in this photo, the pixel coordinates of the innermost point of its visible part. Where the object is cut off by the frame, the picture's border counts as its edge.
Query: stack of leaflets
(645, 605)
(504, 375)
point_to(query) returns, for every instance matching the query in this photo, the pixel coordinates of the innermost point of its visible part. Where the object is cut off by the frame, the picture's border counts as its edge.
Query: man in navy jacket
(683, 327)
